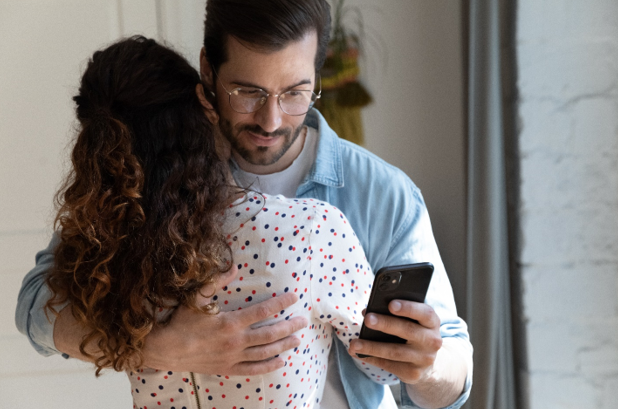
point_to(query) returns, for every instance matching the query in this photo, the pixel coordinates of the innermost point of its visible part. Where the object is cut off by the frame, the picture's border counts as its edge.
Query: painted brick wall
(568, 85)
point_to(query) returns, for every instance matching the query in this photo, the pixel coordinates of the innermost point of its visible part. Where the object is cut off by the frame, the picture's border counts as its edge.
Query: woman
(148, 217)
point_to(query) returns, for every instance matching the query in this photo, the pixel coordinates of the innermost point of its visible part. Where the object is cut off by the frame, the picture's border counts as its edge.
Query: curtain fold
(488, 267)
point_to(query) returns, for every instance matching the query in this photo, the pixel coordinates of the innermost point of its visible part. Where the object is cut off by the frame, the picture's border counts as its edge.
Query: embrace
(217, 241)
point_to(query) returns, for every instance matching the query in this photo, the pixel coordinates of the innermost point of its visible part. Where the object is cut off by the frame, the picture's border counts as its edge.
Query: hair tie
(100, 114)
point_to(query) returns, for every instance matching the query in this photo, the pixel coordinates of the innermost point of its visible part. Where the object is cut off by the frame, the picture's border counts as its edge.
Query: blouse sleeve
(341, 280)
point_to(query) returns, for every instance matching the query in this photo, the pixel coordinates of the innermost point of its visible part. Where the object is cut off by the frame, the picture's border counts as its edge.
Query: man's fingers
(272, 333)
(227, 277)
(423, 313)
(407, 373)
(262, 352)
(415, 334)
(403, 328)
(265, 309)
(257, 368)
(391, 352)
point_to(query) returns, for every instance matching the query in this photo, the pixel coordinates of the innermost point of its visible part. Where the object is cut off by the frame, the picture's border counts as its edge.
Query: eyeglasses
(246, 100)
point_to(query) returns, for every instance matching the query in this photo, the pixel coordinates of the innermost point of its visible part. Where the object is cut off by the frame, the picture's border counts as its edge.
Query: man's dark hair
(264, 24)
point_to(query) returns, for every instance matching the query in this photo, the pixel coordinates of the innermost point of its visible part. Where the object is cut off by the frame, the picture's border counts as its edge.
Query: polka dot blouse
(280, 245)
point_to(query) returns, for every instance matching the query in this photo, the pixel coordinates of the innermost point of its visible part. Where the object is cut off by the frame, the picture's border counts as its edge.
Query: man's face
(263, 138)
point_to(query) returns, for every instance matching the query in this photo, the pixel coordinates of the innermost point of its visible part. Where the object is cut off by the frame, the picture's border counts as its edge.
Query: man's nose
(269, 117)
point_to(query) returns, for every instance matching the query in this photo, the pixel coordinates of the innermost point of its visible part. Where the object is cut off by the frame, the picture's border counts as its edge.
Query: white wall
(568, 84)
(417, 120)
(415, 123)
(43, 49)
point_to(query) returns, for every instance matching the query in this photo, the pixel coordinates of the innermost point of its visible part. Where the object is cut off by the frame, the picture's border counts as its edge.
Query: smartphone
(408, 282)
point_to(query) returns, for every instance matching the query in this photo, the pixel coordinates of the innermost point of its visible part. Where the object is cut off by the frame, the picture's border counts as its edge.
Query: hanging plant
(342, 93)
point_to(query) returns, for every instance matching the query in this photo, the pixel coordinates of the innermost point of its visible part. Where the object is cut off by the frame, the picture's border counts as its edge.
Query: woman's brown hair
(140, 212)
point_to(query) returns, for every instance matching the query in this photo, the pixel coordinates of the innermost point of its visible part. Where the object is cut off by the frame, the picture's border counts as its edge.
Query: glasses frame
(268, 95)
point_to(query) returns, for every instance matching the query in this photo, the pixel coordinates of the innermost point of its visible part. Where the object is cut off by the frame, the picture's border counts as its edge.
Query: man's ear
(206, 71)
(209, 110)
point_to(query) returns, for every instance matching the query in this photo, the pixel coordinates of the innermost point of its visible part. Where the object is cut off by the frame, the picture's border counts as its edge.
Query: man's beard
(261, 155)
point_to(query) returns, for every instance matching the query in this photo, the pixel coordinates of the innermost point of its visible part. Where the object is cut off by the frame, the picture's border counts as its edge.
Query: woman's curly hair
(140, 212)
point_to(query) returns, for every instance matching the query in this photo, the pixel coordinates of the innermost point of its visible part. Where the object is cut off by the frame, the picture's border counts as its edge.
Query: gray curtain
(489, 245)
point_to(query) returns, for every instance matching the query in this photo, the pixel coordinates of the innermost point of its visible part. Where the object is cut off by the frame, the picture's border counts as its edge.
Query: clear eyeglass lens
(248, 100)
(296, 102)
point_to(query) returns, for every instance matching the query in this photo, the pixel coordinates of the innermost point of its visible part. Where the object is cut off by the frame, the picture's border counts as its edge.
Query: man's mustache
(257, 130)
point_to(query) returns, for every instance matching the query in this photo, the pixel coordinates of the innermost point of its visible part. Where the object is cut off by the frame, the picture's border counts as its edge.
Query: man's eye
(297, 93)
(250, 93)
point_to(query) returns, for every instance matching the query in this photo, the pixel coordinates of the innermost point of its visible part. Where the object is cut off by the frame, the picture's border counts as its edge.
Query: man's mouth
(260, 140)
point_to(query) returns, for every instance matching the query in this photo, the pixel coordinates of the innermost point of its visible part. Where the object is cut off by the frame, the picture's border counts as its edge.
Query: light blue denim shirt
(388, 215)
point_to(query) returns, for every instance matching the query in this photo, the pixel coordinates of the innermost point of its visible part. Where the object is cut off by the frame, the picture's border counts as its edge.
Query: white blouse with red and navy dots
(280, 245)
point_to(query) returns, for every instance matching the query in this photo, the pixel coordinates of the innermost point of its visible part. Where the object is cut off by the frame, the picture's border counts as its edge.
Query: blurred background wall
(413, 70)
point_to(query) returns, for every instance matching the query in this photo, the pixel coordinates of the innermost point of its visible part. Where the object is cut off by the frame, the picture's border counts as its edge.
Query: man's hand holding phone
(400, 334)
(412, 361)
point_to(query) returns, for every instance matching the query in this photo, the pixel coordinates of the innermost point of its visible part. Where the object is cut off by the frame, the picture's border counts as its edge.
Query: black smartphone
(408, 282)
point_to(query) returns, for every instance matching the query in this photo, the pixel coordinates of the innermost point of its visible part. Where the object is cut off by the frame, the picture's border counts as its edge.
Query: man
(259, 65)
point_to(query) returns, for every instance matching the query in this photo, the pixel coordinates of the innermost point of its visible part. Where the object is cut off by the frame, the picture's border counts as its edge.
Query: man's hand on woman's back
(224, 344)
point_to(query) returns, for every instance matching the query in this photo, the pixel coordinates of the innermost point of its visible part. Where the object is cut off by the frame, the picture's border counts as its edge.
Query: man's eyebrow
(251, 85)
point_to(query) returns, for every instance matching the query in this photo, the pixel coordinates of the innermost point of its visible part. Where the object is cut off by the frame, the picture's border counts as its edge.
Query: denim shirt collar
(328, 167)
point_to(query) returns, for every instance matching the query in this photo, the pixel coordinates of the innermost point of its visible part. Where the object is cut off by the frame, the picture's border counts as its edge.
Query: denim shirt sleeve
(30, 316)
(414, 242)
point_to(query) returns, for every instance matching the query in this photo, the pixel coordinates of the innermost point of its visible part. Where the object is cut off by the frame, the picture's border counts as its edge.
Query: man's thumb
(222, 280)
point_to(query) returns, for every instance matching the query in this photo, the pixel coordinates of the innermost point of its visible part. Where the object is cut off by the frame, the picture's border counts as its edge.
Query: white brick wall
(568, 83)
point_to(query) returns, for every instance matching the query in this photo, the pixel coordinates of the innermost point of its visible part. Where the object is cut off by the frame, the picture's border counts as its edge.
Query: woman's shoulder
(291, 203)
(307, 208)
(310, 214)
